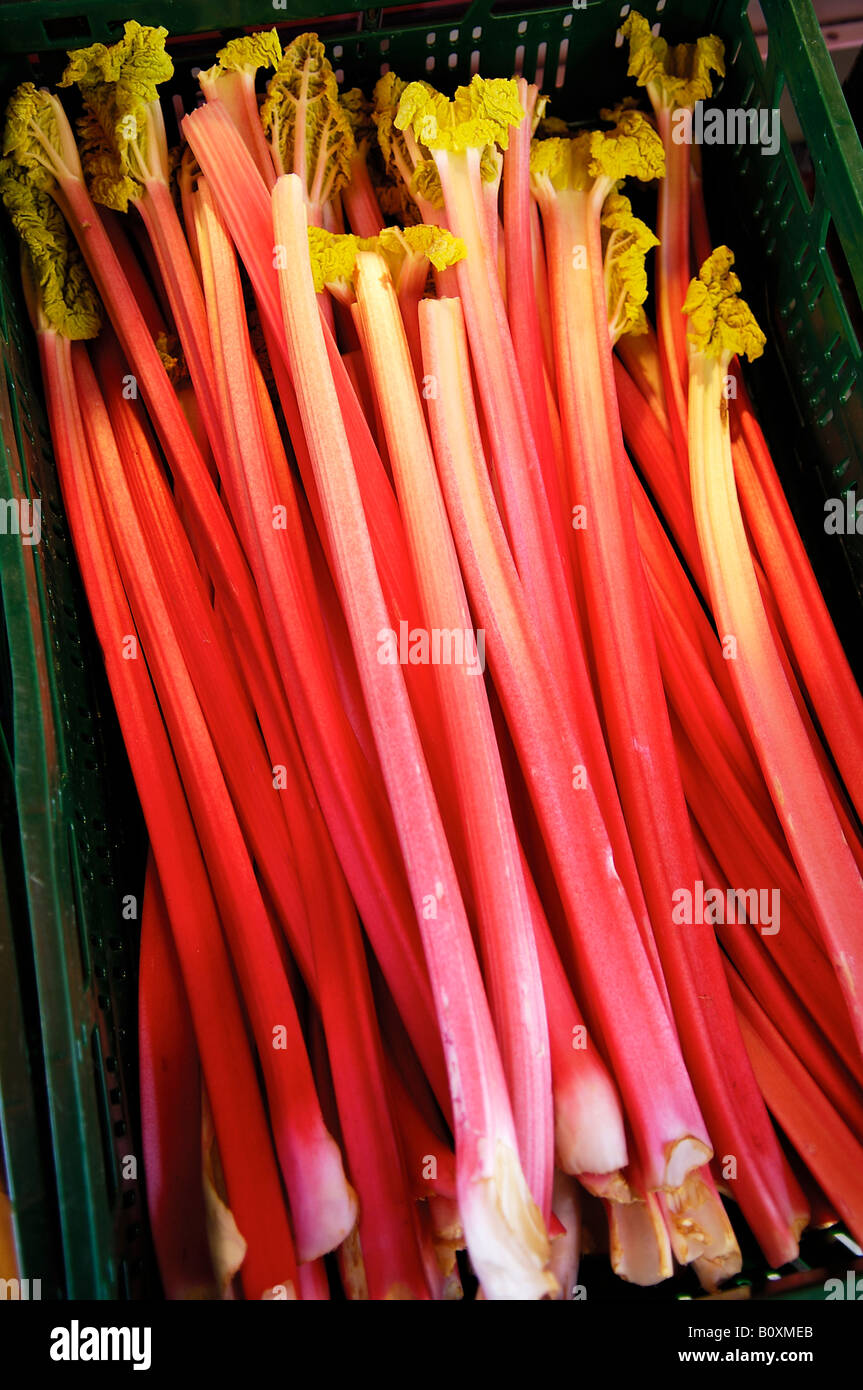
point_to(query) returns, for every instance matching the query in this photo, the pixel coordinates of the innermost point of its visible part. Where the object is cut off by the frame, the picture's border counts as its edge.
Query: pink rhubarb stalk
(505, 1232)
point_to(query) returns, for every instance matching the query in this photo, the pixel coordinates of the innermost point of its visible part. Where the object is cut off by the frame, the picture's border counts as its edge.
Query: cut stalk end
(506, 1235)
(682, 1158)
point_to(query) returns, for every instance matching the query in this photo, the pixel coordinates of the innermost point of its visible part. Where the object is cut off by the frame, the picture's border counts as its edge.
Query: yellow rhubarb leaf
(720, 322)
(678, 75)
(64, 290)
(480, 114)
(121, 134)
(627, 241)
(631, 149)
(309, 130)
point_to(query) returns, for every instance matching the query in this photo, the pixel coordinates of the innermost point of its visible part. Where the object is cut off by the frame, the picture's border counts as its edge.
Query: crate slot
(104, 1111)
(562, 55)
(63, 27)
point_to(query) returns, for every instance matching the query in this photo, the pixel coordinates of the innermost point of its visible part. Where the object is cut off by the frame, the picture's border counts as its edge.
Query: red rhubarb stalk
(508, 1244)
(572, 181)
(802, 800)
(509, 951)
(249, 1163)
(170, 1083)
(322, 1205)
(620, 988)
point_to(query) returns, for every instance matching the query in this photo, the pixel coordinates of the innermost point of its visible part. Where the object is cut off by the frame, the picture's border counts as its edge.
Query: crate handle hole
(562, 55)
(72, 26)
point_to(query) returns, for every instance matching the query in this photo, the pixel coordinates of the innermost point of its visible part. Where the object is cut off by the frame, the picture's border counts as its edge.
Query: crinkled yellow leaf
(117, 135)
(137, 64)
(37, 136)
(244, 55)
(720, 322)
(632, 149)
(358, 110)
(385, 105)
(425, 183)
(562, 163)
(549, 126)
(490, 164)
(540, 106)
(251, 52)
(65, 291)
(627, 241)
(677, 75)
(333, 256)
(303, 95)
(436, 244)
(614, 113)
(480, 114)
(404, 163)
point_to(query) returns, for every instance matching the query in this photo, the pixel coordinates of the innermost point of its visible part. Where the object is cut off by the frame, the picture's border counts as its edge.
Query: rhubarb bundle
(504, 854)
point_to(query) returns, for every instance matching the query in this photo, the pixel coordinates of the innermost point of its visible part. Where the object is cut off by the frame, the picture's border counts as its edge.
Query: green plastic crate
(73, 842)
(74, 973)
